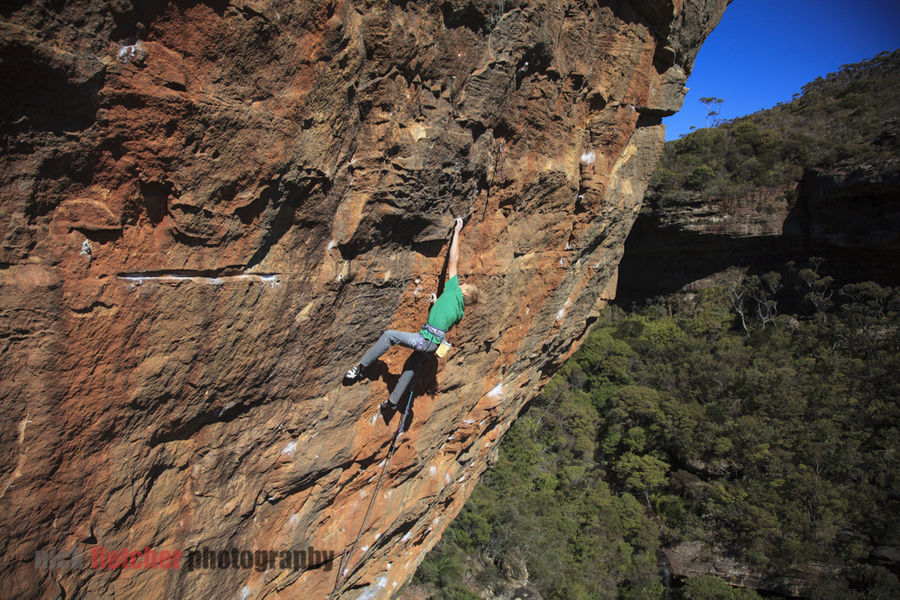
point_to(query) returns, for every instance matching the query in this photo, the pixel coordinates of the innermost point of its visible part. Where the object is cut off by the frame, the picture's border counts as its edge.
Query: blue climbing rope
(348, 556)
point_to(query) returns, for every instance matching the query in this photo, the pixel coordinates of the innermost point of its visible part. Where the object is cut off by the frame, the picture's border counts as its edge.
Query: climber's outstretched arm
(454, 249)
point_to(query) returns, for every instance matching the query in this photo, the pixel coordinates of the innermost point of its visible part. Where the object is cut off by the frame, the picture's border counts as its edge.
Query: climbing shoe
(354, 373)
(387, 406)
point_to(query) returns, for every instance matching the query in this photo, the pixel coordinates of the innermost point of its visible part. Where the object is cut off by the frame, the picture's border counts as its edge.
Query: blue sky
(764, 51)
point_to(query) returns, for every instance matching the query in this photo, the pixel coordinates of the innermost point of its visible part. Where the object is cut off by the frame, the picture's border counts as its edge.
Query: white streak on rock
(271, 280)
(373, 591)
(133, 51)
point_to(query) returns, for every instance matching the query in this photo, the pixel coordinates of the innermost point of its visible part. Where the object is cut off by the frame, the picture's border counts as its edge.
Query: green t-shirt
(447, 310)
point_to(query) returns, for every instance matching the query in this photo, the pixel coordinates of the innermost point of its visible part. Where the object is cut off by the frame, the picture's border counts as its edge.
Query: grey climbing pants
(404, 338)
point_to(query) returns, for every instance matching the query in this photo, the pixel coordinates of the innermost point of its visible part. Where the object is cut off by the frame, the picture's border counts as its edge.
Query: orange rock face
(210, 211)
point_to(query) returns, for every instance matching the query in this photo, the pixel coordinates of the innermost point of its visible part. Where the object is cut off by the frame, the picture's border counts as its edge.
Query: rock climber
(446, 312)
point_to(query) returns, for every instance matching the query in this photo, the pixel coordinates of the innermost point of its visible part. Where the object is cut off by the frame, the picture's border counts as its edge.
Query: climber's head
(469, 292)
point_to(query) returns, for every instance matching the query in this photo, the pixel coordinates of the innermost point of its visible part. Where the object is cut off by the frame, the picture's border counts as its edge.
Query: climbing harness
(346, 557)
(437, 335)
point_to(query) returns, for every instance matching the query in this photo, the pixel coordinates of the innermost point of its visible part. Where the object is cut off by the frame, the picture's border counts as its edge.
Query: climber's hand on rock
(459, 225)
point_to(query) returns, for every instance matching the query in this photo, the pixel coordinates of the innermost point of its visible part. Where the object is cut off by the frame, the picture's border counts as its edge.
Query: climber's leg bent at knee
(409, 371)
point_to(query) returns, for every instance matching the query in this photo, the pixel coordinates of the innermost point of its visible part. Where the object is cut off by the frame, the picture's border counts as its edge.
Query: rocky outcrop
(211, 208)
(698, 558)
(854, 206)
(847, 214)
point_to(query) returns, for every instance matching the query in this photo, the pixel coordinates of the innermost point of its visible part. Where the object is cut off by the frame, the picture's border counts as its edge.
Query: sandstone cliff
(816, 176)
(211, 208)
(845, 213)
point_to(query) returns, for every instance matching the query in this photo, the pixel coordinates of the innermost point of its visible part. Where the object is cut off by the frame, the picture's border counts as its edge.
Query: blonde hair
(472, 296)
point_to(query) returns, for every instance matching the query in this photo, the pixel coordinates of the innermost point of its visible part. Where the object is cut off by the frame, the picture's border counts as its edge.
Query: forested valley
(747, 429)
